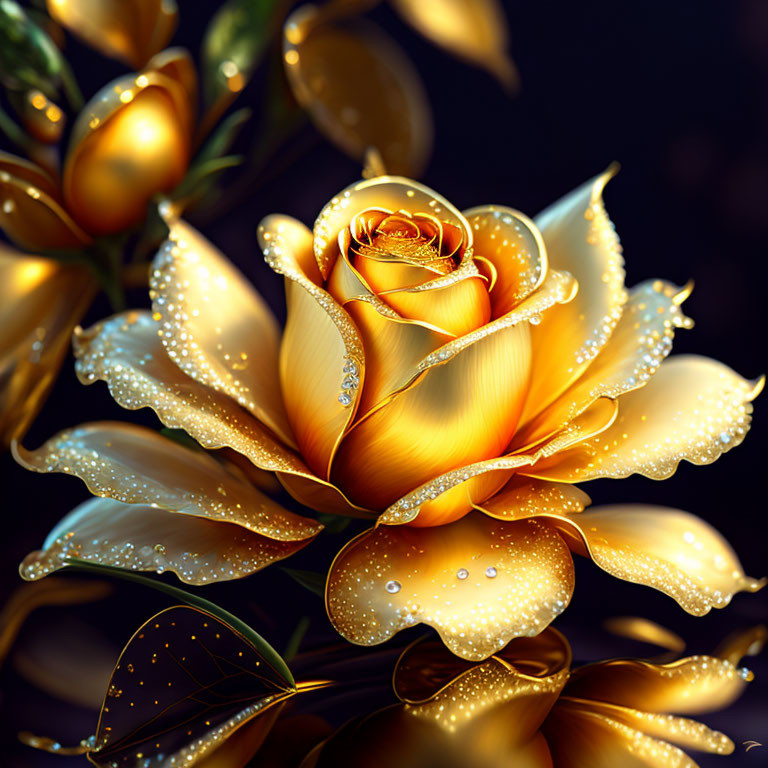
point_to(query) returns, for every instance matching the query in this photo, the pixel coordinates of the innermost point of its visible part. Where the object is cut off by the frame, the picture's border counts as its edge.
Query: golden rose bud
(131, 142)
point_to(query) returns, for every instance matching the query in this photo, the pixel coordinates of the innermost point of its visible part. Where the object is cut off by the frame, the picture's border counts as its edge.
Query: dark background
(675, 91)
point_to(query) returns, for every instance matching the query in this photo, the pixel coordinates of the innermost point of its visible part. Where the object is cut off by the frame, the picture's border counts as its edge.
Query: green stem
(13, 131)
(271, 656)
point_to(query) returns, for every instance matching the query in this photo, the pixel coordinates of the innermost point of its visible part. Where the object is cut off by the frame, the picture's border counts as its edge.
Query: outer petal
(694, 408)
(392, 193)
(131, 32)
(138, 466)
(688, 686)
(581, 240)
(639, 343)
(478, 582)
(321, 356)
(443, 407)
(31, 217)
(672, 551)
(40, 302)
(455, 492)
(216, 327)
(131, 141)
(145, 538)
(512, 243)
(359, 88)
(524, 497)
(580, 738)
(476, 30)
(24, 170)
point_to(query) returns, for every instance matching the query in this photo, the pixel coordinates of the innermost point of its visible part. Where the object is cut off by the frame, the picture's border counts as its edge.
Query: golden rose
(452, 375)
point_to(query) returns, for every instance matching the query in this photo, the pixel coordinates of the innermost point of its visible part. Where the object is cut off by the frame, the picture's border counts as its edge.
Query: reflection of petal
(131, 141)
(688, 686)
(476, 30)
(513, 244)
(672, 551)
(641, 340)
(321, 355)
(459, 484)
(580, 239)
(41, 300)
(131, 32)
(392, 193)
(138, 466)
(216, 327)
(143, 538)
(694, 408)
(580, 738)
(33, 219)
(479, 582)
(360, 89)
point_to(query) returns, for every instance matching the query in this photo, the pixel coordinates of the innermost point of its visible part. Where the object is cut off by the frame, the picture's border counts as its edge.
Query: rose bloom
(451, 375)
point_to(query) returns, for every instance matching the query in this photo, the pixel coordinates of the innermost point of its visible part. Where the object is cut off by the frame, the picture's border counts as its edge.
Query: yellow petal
(138, 466)
(688, 686)
(321, 496)
(461, 411)
(24, 170)
(41, 301)
(525, 497)
(43, 118)
(455, 492)
(131, 32)
(130, 142)
(475, 30)
(479, 582)
(580, 738)
(693, 409)
(390, 193)
(580, 239)
(678, 730)
(669, 550)
(744, 643)
(360, 89)
(216, 327)
(640, 342)
(31, 217)
(177, 64)
(144, 538)
(321, 355)
(645, 631)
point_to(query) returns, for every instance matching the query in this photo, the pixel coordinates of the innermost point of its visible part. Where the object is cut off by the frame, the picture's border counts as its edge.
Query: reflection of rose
(439, 370)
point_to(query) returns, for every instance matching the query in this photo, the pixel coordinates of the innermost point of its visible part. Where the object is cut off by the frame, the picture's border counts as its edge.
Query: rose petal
(688, 686)
(24, 170)
(678, 730)
(475, 30)
(580, 239)
(744, 643)
(41, 300)
(693, 409)
(33, 219)
(138, 466)
(177, 64)
(321, 356)
(459, 488)
(130, 142)
(524, 497)
(580, 738)
(641, 340)
(129, 32)
(144, 538)
(669, 550)
(512, 243)
(391, 193)
(216, 327)
(359, 88)
(479, 582)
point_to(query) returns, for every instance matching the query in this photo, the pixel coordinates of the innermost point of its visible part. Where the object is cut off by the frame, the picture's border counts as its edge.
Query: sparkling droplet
(746, 674)
(462, 573)
(491, 572)
(345, 399)
(393, 587)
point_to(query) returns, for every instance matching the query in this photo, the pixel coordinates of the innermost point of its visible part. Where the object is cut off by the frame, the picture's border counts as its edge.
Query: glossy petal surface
(478, 582)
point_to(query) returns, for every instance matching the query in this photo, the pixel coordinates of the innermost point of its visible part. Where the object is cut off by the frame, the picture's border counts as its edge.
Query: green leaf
(334, 523)
(264, 648)
(311, 580)
(235, 42)
(294, 641)
(181, 437)
(224, 136)
(201, 175)
(29, 59)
